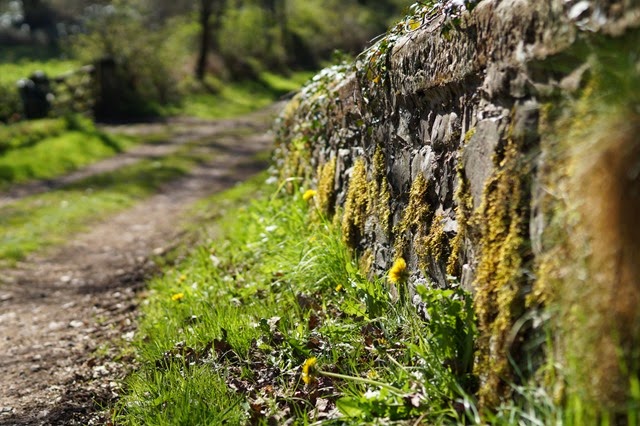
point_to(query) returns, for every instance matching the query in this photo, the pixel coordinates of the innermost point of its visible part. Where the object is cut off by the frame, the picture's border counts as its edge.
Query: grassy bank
(225, 100)
(43, 149)
(40, 221)
(272, 320)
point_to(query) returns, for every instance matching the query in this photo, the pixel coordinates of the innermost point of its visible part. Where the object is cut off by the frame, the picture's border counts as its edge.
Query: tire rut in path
(58, 308)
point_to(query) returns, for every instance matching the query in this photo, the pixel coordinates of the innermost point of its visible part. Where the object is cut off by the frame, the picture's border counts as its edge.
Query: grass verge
(43, 220)
(272, 321)
(43, 149)
(230, 100)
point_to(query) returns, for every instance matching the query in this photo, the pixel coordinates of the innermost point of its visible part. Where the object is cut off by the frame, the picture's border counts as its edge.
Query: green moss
(379, 197)
(416, 218)
(296, 163)
(464, 212)
(326, 187)
(433, 247)
(502, 223)
(366, 262)
(356, 206)
(469, 134)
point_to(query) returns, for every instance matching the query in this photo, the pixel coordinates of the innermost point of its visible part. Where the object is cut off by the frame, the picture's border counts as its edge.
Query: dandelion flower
(309, 370)
(309, 194)
(182, 278)
(177, 297)
(398, 272)
(339, 288)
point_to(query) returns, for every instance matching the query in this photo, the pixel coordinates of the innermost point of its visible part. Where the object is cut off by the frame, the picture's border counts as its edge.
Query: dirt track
(61, 311)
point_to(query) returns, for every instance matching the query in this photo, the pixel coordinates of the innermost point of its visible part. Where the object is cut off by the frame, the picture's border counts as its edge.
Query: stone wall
(456, 143)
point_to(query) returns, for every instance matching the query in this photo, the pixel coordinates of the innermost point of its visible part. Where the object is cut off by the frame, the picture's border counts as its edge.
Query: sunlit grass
(11, 72)
(233, 99)
(274, 289)
(40, 221)
(43, 149)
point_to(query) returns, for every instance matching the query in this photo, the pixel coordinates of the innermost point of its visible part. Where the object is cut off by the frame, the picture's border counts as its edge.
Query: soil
(64, 313)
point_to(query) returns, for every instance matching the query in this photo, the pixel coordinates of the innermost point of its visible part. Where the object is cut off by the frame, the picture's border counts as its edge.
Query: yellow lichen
(379, 196)
(291, 108)
(366, 262)
(432, 247)
(356, 206)
(469, 134)
(326, 191)
(464, 211)
(379, 168)
(296, 163)
(416, 218)
(502, 223)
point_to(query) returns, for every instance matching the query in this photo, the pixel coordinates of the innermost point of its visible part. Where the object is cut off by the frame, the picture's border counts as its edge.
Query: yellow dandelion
(398, 272)
(177, 297)
(182, 278)
(309, 370)
(309, 194)
(339, 288)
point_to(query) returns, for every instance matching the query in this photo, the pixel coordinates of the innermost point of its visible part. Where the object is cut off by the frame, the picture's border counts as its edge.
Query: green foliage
(307, 35)
(451, 326)
(245, 38)
(10, 104)
(147, 58)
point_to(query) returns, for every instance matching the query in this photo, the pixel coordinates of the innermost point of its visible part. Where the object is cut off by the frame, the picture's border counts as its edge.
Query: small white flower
(369, 394)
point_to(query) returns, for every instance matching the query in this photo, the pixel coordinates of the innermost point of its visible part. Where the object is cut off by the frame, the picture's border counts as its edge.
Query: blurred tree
(144, 60)
(276, 12)
(208, 32)
(37, 14)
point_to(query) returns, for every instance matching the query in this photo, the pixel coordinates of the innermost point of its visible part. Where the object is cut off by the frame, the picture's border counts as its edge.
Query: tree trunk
(206, 8)
(281, 17)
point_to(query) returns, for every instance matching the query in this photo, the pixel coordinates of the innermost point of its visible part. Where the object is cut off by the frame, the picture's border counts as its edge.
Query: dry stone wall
(443, 143)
